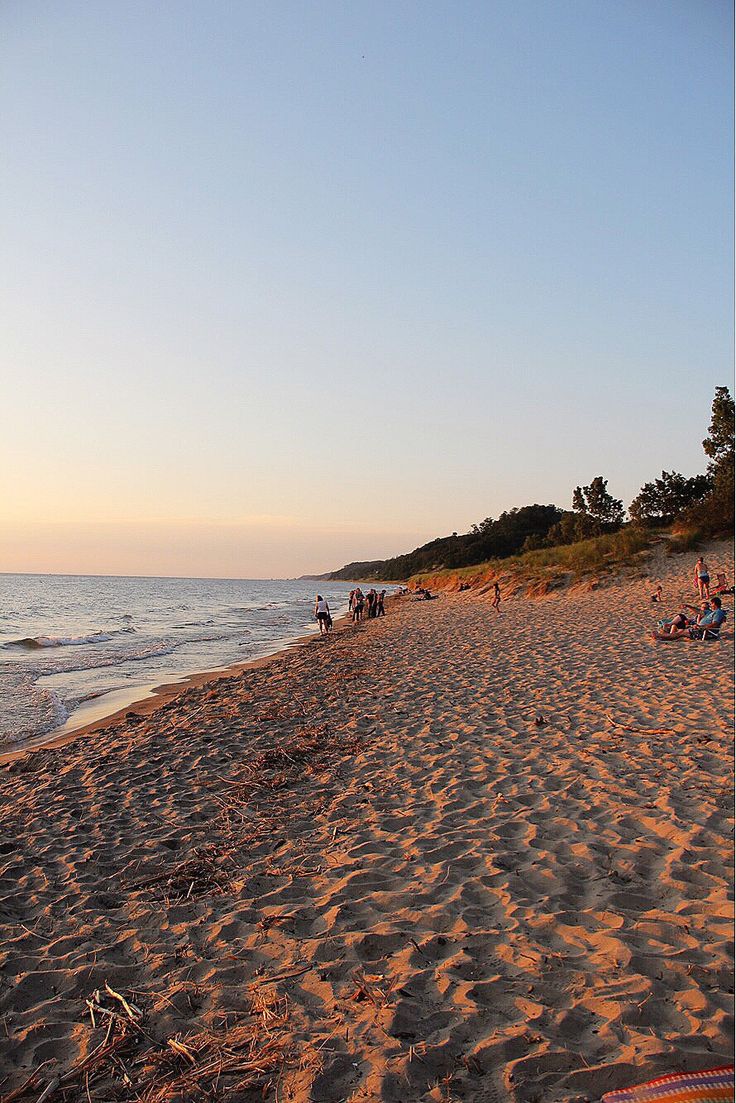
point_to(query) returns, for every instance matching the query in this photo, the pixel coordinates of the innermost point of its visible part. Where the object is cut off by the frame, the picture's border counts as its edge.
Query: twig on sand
(49, 1089)
(419, 949)
(17, 1092)
(641, 731)
(281, 976)
(244, 1058)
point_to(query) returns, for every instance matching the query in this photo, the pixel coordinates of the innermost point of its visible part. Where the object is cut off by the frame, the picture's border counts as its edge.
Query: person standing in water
(496, 603)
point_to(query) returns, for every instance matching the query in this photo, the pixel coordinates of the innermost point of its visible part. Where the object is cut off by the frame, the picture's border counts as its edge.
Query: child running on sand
(496, 603)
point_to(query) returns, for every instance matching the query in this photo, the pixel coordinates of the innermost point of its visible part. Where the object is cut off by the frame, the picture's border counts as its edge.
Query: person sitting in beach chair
(682, 620)
(707, 627)
(722, 586)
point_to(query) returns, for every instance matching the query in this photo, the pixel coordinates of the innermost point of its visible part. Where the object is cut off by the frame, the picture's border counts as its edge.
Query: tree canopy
(596, 502)
(661, 501)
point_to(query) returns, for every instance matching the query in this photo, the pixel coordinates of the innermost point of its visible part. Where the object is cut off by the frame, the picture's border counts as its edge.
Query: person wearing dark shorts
(322, 613)
(702, 577)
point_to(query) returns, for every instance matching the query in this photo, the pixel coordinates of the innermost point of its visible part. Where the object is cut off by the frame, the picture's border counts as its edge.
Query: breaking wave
(32, 643)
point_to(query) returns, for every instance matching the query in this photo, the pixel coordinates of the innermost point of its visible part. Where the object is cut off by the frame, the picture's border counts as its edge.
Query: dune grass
(583, 558)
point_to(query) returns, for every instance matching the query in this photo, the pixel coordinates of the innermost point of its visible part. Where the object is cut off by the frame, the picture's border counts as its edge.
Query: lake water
(67, 641)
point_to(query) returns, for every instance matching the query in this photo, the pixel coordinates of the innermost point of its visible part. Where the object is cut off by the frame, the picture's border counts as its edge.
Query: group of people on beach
(358, 603)
(696, 622)
(372, 603)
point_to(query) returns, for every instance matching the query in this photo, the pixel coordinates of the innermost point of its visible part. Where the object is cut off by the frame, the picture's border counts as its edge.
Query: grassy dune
(548, 568)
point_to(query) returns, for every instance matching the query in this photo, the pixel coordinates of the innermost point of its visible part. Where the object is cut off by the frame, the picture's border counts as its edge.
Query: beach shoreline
(501, 843)
(144, 700)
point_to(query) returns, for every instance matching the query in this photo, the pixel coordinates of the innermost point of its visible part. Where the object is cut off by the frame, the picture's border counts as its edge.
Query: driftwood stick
(22, 1087)
(641, 731)
(281, 976)
(131, 1010)
(49, 1090)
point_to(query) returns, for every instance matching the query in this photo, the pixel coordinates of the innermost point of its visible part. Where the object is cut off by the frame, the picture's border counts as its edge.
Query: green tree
(596, 502)
(572, 527)
(714, 514)
(661, 501)
(719, 444)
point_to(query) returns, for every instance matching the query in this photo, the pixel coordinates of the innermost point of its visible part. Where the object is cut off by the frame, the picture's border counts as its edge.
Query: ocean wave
(33, 643)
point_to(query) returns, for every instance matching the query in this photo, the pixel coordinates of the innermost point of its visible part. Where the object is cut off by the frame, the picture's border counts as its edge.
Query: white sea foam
(33, 642)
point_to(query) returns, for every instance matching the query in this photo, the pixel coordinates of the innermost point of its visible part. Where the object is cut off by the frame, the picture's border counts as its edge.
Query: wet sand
(447, 855)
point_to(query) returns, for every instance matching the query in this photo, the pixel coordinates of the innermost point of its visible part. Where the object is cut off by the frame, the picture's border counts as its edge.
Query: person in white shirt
(322, 613)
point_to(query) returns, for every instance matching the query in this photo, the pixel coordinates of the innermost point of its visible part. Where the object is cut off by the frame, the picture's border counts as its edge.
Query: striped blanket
(711, 1086)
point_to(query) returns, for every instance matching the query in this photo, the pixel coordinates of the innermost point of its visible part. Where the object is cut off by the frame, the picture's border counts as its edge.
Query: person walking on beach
(358, 605)
(322, 613)
(380, 611)
(496, 603)
(702, 577)
(371, 596)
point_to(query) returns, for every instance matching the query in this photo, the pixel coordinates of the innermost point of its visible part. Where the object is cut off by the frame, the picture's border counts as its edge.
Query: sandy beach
(445, 855)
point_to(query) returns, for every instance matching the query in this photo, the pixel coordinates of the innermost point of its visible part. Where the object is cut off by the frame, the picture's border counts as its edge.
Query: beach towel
(711, 1086)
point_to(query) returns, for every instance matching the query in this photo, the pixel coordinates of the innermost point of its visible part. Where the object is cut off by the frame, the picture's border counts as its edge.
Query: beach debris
(367, 990)
(283, 976)
(539, 720)
(244, 1057)
(641, 731)
(207, 872)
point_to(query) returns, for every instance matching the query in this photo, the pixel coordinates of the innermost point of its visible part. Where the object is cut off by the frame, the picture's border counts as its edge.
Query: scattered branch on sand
(245, 1057)
(282, 976)
(367, 990)
(30, 1082)
(419, 949)
(641, 731)
(208, 871)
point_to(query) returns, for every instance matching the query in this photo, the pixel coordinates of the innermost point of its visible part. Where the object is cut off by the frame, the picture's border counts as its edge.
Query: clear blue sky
(286, 284)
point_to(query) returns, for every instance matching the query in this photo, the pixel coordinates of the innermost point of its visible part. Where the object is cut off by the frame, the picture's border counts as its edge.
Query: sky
(285, 285)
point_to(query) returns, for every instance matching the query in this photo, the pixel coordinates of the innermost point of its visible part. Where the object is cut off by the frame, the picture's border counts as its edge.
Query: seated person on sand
(722, 586)
(657, 595)
(707, 627)
(682, 620)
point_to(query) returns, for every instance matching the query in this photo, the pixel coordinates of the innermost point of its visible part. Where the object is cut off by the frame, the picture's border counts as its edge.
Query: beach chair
(709, 632)
(705, 633)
